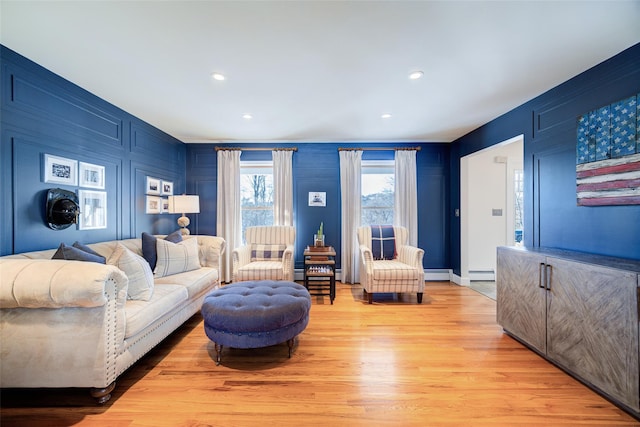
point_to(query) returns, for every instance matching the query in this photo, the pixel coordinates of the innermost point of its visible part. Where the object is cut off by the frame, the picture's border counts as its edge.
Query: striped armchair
(387, 263)
(266, 255)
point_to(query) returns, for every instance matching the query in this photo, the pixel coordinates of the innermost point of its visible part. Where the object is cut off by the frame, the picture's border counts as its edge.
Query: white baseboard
(482, 275)
(430, 275)
(462, 281)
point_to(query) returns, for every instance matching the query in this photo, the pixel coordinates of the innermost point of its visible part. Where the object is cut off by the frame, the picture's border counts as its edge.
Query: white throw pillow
(137, 270)
(176, 258)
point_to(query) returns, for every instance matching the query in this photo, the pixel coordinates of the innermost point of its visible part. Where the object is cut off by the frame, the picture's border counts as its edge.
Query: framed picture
(153, 185)
(93, 209)
(167, 188)
(91, 176)
(60, 170)
(154, 205)
(165, 205)
(317, 198)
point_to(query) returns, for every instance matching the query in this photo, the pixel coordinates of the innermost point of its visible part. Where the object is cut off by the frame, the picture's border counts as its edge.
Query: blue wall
(548, 123)
(316, 167)
(45, 114)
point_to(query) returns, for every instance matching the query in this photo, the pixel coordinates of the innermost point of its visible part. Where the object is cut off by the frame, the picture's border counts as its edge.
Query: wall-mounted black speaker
(62, 208)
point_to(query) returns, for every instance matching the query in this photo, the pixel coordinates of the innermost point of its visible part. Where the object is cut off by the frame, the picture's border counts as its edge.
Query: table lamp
(184, 204)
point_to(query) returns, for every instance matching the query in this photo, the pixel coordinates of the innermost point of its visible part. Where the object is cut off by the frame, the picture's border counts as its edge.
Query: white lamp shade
(184, 204)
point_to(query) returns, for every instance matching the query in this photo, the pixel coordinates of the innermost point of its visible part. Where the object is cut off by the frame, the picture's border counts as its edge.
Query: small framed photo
(60, 170)
(93, 209)
(317, 198)
(165, 205)
(153, 185)
(167, 188)
(91, 176)
(154, 205)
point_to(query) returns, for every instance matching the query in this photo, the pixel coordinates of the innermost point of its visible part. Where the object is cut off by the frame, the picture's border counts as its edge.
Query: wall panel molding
(63, 110)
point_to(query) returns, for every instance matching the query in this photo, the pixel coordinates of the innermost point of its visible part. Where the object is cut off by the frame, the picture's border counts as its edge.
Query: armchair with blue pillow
(266, 255)
(387, 263)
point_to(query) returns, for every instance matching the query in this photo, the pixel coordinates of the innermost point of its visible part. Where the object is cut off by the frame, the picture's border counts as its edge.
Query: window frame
(255, 167)
(376, 167)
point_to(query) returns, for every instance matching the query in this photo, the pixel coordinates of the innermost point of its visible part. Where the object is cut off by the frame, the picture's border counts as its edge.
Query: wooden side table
(320, 271)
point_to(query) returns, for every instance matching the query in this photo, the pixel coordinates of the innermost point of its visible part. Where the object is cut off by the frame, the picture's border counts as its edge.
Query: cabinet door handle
(541, 273)
(548, 270)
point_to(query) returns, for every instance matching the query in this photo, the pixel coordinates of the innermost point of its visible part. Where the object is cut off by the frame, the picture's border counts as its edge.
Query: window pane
(377, 192)
(519, 206)
(256, 192)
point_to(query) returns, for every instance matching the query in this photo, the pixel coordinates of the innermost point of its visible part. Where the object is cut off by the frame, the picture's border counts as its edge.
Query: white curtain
(350, 186)
(282, 187)
(405, 211)
(229, 216)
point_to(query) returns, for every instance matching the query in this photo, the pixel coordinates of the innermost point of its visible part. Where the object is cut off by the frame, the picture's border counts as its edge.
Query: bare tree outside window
(256, 192)
(378, 178)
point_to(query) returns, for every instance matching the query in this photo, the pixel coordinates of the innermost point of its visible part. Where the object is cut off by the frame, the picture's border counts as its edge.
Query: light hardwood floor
(393, 363)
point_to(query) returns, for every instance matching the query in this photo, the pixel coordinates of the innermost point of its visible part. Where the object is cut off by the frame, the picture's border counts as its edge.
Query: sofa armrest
(411, 255)
(62, 323)
(40, 283)
(210, 250)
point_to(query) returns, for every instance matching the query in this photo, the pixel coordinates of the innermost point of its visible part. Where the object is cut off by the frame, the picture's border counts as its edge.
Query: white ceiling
(318, 70)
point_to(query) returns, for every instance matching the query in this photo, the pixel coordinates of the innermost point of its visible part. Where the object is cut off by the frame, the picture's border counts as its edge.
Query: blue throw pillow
(74, 254)
(150, 249)
(85, 248)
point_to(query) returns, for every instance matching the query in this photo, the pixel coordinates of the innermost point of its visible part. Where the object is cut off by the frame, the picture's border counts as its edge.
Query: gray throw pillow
(75, 254)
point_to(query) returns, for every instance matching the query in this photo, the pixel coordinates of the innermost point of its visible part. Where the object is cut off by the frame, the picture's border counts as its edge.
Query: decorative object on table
(317, 198)
(60, 170)
(93, 209)
(318, 238)
(92, 176)
(62, 208)
(167, 188)
(153, 186)
(184, 204)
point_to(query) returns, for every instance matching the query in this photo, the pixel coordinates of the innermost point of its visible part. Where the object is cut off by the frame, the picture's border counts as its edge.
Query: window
(518, 180)
(256, 193)
(378, 179)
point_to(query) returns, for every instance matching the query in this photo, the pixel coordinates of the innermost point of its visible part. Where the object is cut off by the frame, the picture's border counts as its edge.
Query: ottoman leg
(290, 344)
(218, 353)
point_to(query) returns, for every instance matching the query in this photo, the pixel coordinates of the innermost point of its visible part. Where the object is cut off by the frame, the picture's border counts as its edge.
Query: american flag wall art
(608, 155)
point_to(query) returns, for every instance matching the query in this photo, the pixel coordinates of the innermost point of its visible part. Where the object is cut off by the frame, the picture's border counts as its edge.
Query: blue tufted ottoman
(255, 314)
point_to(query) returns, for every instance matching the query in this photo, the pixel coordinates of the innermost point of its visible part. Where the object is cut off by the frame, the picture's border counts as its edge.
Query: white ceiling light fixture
(386, 116)
(218, 76)
(415, 75)
(247, 116)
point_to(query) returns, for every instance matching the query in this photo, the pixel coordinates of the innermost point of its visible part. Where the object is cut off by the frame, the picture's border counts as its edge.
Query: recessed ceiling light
(218, 76)
(415, 75)
(247, 116)
(386, 116)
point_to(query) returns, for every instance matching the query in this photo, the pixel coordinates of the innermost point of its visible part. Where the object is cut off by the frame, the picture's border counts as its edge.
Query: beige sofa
(71, 323)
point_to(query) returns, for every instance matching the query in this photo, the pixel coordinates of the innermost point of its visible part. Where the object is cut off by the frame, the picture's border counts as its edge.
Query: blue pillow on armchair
(383, 242)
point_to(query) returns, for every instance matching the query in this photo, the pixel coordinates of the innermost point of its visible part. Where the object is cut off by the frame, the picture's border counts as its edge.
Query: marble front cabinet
(580, 311)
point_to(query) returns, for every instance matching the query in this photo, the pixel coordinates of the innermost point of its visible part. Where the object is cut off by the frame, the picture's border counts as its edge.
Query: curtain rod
(381, 149)
(255, 149)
